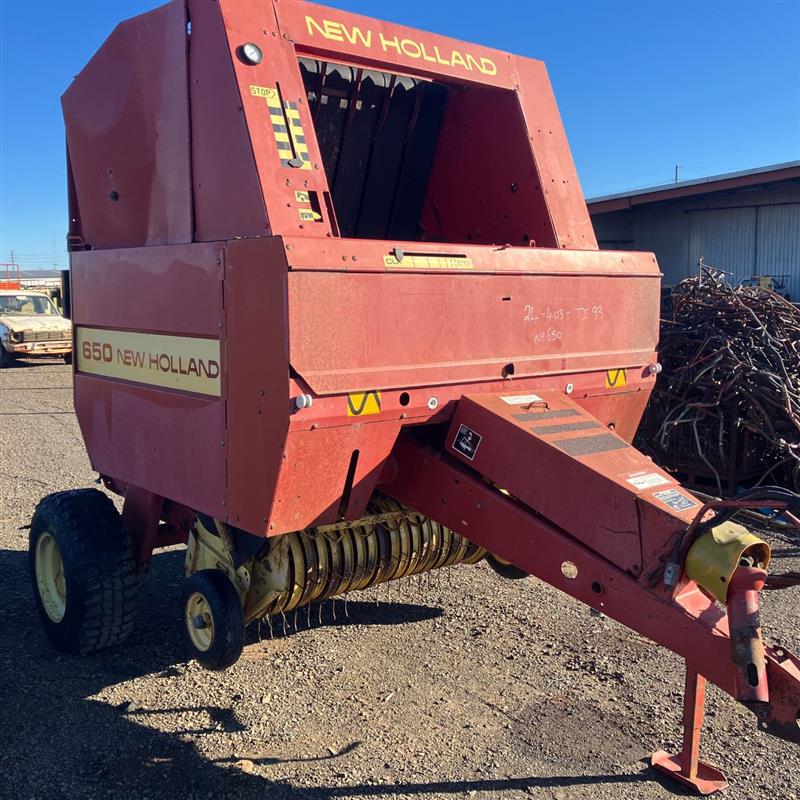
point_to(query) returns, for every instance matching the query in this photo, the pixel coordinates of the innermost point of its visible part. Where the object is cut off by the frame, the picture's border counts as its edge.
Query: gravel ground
(458, 685)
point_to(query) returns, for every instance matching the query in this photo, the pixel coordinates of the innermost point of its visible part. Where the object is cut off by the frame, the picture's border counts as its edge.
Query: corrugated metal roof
(39, 273)
(789, 170)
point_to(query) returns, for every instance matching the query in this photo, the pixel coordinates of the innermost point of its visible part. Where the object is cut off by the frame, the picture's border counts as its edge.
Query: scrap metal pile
(726, 407)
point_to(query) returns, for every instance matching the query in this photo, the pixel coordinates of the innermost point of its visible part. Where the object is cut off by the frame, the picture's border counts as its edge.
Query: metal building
(745, 222)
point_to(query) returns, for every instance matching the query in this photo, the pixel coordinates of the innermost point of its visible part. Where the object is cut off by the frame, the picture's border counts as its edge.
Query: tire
(90, 604)
(209, 594)
(506, 569)
(68, 358)
(6, 359)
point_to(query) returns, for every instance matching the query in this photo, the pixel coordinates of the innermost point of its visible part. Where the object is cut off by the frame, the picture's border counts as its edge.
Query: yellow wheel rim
(50, 581)
(199, 622)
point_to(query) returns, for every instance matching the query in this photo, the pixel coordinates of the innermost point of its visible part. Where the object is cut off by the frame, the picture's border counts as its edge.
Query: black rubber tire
(226, 612)
(506, 570)
(68, 358)
(99, 570)
(6, 359)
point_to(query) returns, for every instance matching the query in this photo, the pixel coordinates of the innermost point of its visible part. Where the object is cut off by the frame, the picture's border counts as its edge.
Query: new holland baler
(340, 317)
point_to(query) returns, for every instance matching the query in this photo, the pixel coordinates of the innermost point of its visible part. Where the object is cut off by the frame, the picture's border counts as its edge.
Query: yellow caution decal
(360, 404)
(615, 378)
(287, 128)
(420, 261)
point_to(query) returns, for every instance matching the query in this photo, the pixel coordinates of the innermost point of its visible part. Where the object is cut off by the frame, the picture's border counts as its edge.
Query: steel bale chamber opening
(412, 159)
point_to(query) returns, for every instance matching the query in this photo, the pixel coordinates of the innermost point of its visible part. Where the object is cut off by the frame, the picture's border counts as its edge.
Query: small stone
(245, 765)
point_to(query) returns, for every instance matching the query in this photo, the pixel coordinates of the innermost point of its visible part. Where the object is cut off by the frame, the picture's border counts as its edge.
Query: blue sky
(713, 86)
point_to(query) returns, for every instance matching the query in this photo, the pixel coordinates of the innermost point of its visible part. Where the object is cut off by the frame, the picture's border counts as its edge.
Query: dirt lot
(459, 685)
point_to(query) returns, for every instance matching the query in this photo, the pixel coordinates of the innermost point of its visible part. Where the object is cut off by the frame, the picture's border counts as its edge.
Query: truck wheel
(6, 359)
(82, 570)
(67, 358)
(213, 619)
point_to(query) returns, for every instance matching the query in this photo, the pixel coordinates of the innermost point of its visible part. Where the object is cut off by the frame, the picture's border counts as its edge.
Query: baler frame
(250, 380)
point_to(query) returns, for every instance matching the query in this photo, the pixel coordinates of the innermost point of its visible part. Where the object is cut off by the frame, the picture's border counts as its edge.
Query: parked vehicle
(30, 325)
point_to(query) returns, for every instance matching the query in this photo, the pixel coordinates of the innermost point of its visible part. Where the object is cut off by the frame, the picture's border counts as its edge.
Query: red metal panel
(175, 289)
(620, 407)
(555, 167)
(330, 32)
(536, 448)
(413, 329)
(257, 378)
(279, 70)
(484, 186)
(227, 193)
(315, 469)
(127, 123)
(360, 255)
(163, 441)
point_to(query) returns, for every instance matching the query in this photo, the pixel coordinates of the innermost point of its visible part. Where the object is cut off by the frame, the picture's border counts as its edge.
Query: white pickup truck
(30, 325)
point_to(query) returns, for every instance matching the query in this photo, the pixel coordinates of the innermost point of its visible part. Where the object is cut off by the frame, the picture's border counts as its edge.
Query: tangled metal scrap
(729, 392)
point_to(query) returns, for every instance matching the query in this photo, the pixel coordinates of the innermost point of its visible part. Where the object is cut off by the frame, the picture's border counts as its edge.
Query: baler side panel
(256, 378)
(163, 440)
(417, 329)
(329, 474)
(133, 187)
(228, 201)
(554, 163)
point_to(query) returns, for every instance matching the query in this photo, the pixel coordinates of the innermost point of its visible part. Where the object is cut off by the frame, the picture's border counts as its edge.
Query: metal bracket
(686, 767)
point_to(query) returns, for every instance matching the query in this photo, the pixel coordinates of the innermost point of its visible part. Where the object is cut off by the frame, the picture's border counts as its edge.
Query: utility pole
(677, 167)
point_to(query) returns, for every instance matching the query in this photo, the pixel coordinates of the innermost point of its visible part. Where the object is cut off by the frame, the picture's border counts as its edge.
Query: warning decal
(675, 500)
(287, 128)
(361, 404)
(521, 399)
(467, 442)
(615, 378)
(647, 480)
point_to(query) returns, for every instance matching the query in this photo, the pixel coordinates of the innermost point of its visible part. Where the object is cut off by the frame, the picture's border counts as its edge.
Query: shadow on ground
(56, 742)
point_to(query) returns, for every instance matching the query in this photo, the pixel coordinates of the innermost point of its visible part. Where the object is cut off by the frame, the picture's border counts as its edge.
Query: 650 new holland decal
(186, 363)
